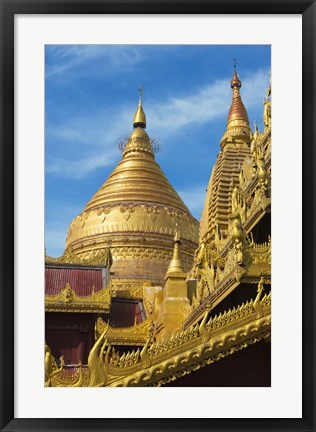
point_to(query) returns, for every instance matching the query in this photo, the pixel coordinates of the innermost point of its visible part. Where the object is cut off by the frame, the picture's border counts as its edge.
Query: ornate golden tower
(225, 175)
(137, 212)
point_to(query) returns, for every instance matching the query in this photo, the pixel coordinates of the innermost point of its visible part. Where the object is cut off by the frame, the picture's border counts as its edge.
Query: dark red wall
(124, 312)
(70, 335)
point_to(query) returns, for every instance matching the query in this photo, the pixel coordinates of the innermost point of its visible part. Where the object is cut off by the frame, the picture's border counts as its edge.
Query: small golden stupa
(136, 212)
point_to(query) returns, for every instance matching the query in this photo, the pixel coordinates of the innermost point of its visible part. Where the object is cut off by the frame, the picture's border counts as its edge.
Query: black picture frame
(8, 9)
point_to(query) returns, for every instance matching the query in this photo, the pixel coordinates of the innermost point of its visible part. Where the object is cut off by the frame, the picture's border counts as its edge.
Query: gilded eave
(68, 301)
(161, 362)
(128, 336)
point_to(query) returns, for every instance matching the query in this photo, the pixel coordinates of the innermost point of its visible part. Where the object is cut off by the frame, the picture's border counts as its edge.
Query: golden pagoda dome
(137, 212)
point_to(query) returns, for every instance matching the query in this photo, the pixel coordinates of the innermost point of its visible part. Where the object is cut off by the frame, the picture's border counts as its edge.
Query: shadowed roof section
(124, 313)
(82, 280)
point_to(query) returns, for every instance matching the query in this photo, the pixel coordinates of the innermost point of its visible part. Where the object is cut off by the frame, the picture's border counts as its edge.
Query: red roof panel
(81, 280)
(124, 312)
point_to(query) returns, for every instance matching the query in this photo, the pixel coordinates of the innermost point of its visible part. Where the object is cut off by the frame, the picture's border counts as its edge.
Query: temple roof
(73, 288)
(82, 280)
(161, 362)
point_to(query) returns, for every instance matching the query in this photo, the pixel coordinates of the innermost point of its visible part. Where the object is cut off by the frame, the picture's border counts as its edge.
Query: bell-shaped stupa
(136, 213)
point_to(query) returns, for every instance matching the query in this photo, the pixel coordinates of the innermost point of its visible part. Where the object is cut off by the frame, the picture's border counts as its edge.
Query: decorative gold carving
(124, 361)
(260, 150)
(184, 352)
(187, 310)
(237, 234)
(144, 355)
(57, 376)
(239, 203)
(201, 345)
(103, 212)
(257, 304)
(142, 252)
(267, 109)
(68, 300)
(127, 288)
(246, 172)
(98, 376)
(203, 271)
(263, 175)
(259, 202)
(51, 368)
(66, 295)
(98, 257)
(128, 207)
(260, 259)
(135, 335)
(152, 297)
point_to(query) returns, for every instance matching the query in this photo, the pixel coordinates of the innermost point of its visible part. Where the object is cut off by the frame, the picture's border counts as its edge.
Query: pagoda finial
(140, 94)
(140, 117)
(175, 265)
(138, 141)
(237, 120)
(235, 82)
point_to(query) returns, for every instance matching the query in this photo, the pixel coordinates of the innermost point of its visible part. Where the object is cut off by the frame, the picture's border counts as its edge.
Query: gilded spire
(140, 117)
(237, 108)
(237, 120)
(139, 142)
(235, 82)
(175, 265)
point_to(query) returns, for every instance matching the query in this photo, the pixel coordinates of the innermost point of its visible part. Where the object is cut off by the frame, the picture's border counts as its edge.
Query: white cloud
(100, 133)
(77, 169)
(206, 104)
(67, 57)
(94, 142)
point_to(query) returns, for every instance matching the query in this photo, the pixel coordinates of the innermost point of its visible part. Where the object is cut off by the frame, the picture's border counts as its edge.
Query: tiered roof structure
(211, 325)
(234, 149)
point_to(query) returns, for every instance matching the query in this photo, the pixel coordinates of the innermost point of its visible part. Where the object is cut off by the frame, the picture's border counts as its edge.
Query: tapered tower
(235, 147)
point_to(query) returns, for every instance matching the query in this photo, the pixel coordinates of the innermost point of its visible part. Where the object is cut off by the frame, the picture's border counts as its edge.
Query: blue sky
(91, 94)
